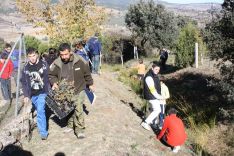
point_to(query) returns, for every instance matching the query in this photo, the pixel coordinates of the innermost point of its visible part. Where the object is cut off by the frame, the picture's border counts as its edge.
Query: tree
(31, 41)
(219, 35)
(185, 46)
(152, 23)
(65, 20)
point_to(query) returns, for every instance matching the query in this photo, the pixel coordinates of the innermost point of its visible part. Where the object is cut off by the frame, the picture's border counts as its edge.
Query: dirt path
(113, 129)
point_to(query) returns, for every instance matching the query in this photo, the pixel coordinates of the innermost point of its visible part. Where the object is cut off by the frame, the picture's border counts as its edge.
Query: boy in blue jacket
(35, 84)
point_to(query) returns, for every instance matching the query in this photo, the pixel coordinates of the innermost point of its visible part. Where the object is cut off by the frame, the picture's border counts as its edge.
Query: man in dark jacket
(152, 93)
(163, 57)
(72, 68)
(35, 84)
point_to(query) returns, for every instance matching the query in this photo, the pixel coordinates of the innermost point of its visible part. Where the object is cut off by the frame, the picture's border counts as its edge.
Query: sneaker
(146, 126)
(67, 130)
(160, 127)
(80, 136)
(176, 149)
(44, 137)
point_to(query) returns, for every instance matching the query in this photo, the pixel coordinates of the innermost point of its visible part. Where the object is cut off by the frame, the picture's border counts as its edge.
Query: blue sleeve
(86, 47)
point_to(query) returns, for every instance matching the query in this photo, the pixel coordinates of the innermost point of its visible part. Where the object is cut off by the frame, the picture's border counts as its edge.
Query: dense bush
(185, 45)
(31, 41)
(219, 35)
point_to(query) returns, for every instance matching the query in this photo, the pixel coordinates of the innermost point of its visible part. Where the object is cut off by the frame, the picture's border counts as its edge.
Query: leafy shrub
(185, 46)
(43, 48)
(31, 41)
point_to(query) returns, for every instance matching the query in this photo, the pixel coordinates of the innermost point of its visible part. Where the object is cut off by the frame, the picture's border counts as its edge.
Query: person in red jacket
(173, 131)
(6, 78)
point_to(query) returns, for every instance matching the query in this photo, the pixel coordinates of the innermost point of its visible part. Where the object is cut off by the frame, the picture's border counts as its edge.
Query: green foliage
(65, 20)
(108, 42)
(219, 36)
(129, 78)
(1, 44)
(112, 47)
(185, 46)
(182, 21)
(152, 24)
(43, 48)
(31, 41)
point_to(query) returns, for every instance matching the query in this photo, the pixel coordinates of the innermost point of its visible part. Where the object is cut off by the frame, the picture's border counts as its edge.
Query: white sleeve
(150, 83)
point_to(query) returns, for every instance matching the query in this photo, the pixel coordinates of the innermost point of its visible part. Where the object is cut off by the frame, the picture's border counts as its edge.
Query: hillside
(198, 11)
(124, 4)
(11, 21)
(112, 127)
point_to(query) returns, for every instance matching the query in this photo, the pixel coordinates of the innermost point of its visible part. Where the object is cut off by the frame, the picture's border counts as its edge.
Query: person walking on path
(35, 84)
(7, 49)
(80, 50)
(5, 78)
(95, 47)
(173, 131)
(72, 68)
(152, 91)
(15, 60)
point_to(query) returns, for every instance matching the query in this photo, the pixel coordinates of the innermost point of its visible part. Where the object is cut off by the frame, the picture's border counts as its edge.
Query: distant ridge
(124, 4)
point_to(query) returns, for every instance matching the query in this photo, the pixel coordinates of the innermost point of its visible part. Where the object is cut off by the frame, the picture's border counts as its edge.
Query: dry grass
(221, 141)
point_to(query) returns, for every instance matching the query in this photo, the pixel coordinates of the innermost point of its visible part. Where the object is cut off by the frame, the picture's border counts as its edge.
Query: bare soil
(112, 128)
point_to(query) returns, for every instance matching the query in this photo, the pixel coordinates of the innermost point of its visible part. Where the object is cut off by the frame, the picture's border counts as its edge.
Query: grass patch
(198, 105)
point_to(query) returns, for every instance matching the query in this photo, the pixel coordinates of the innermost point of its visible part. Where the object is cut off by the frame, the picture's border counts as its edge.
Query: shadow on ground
(14, 150)
(138, 112)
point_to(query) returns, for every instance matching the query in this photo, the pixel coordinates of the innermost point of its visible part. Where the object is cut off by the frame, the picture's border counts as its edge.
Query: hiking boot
(176, 149)
(80, 136)
(146, 126)
(67, 130)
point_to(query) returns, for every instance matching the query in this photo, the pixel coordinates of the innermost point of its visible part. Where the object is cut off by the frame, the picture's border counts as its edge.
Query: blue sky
(194, 1)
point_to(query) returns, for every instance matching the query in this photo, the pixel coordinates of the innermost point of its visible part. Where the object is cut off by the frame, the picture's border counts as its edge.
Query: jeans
(39, 104)
(161, 115)
(6, 88)
(96, 63)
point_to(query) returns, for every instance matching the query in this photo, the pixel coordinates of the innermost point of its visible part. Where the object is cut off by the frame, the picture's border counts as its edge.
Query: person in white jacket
(152, 92)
